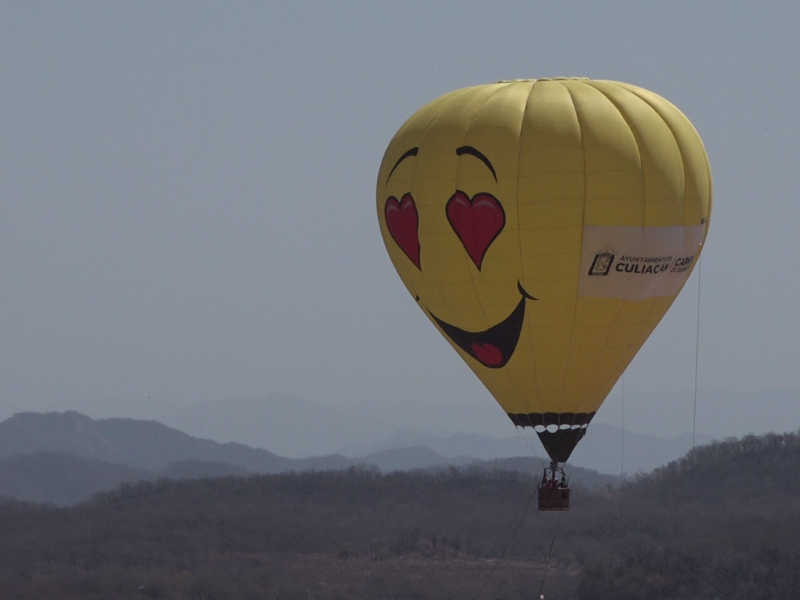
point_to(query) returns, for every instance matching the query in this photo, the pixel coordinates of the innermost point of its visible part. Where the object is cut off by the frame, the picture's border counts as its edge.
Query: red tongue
(487, 353)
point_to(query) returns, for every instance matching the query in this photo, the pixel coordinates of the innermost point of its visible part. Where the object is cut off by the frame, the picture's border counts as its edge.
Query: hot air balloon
(545, 227)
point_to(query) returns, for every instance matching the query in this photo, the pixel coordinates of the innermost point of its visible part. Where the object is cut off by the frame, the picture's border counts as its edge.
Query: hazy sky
(187, 205)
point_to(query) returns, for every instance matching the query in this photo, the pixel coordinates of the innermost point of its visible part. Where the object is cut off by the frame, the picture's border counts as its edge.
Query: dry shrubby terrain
(720, 523)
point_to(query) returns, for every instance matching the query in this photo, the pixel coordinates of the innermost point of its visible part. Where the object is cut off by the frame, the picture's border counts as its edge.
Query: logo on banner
(634, 263)
(601, 265)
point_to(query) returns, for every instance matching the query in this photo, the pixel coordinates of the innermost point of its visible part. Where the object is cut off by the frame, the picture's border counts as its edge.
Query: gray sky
(187, 198)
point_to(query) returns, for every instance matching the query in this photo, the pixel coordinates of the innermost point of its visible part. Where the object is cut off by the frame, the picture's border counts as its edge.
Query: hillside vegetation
(720, 523)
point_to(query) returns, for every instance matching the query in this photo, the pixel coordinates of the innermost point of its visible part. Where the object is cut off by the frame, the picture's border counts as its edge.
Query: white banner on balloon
(634, 263)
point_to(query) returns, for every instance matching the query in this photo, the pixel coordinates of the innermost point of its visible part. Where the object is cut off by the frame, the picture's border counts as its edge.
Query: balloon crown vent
(544, 79)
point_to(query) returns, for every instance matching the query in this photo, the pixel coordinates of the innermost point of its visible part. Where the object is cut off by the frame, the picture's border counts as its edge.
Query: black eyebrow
(477, 154)
(406, 154)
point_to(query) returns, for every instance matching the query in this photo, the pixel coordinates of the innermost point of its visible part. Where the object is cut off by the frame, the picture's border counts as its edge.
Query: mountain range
(296, 427)
(64, 458)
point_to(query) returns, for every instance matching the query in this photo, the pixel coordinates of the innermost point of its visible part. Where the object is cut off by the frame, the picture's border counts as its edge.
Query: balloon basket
(554, 489)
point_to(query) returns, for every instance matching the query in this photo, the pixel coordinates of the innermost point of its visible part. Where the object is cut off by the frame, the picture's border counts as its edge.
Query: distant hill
(601, 450)
(458, 444)
(196, 469)
(65, 458)
(293, 426)
(65, 479)
(61, 478)
(414, 457)
(140, 444)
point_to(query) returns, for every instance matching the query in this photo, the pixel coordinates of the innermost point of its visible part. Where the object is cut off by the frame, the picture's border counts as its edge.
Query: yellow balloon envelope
(545, 227)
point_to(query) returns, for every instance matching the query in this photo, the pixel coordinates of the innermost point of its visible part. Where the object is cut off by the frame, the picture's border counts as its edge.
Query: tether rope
(622, 447)
(515, 524)
(549, 552)
(696, 350)
(519, 520)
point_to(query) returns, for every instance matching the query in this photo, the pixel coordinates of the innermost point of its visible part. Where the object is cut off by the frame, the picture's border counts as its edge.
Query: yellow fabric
(569, 155)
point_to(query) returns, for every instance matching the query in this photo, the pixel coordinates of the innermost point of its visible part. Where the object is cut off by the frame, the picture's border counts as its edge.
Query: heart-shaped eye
(403, 222)
(477, 222)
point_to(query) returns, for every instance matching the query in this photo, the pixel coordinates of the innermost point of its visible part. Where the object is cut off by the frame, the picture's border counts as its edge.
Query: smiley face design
(476, 221)
(494, 203)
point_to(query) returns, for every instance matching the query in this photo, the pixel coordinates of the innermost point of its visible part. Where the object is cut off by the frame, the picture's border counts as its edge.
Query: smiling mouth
(492, 347)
